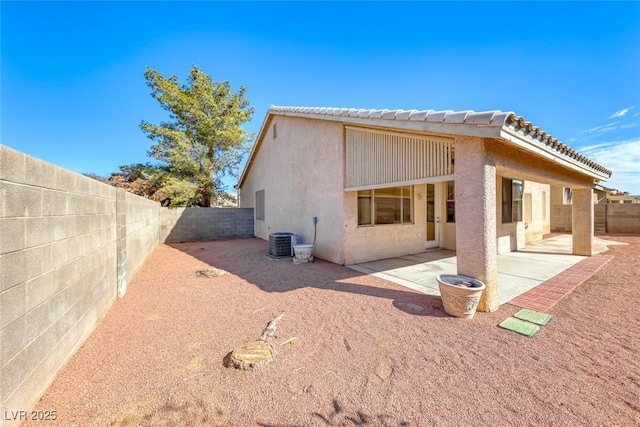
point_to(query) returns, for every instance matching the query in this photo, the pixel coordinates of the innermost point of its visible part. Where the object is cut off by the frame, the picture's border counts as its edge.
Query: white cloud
(603, 128)
(629, 126)
(621, 113)
(622, 158)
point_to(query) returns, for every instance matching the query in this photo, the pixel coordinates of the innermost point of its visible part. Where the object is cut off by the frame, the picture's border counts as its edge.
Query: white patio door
(433, 210)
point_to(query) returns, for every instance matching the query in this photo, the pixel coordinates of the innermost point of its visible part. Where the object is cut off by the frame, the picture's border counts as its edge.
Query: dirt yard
(365, 351)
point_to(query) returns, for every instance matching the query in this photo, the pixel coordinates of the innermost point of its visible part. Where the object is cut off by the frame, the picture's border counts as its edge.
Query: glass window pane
(517, 200)
(406, 211)
(451, 203)
(451, 193)
(506, 200)
(259, 205)
(364, 207)
(388, 192)
(431, 203)
(387, 209)
(453, 160)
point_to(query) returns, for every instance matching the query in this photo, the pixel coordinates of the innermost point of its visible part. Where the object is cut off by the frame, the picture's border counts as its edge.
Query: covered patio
(518, 272)
(395, 182)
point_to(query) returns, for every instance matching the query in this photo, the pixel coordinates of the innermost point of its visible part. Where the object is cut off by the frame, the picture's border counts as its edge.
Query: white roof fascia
(550, 154)
(487, 131)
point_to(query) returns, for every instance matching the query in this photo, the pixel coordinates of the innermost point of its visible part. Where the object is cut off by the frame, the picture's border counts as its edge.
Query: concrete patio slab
(518, 272)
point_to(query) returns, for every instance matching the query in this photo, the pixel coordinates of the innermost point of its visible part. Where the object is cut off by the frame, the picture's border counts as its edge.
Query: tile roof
(504, 120)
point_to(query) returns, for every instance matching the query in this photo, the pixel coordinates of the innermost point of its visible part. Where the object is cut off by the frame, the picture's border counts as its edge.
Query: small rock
(210, 273)
(383, 371)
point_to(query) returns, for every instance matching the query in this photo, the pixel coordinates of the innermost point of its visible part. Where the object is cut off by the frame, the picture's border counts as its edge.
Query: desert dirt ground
(365, 351)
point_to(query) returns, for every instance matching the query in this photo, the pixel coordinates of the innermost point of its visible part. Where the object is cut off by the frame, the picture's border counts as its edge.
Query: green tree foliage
(202, 141)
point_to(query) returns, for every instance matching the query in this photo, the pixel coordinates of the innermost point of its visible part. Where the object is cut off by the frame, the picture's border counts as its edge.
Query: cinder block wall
(138, 234)
(57, 270)
(561, 218)
(68, 243)
(623, 218)
(204, 224)
(620, 218)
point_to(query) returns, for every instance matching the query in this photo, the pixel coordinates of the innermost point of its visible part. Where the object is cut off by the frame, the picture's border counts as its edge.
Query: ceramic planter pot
(460, 294)
(302, 252)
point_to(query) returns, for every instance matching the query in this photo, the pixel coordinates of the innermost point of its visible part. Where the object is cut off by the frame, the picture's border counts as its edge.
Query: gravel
(351, 350)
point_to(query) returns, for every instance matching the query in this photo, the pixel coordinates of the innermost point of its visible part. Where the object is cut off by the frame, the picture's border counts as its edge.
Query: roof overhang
(506, 126)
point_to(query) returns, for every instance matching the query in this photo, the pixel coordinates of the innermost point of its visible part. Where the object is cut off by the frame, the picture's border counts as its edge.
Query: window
(260, 205)
(393, 205)
(451, 201)
(511, 200)
(568, 195)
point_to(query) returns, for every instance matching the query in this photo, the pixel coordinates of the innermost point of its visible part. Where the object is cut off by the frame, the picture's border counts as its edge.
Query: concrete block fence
(623, 217)
(616, 217)
(199, 225)
(68, 246)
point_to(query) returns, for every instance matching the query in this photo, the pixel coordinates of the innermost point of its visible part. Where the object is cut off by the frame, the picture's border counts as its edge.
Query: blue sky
(73, 90)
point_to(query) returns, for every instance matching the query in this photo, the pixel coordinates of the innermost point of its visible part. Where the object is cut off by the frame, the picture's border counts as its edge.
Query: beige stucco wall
(539, 210)
(449, 236)
(547, 176)
(367, 243)
(302, 173)
(511, 236)
(536, 217)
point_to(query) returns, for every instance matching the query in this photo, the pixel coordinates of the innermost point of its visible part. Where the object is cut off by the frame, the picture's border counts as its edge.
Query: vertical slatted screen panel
(375, 157)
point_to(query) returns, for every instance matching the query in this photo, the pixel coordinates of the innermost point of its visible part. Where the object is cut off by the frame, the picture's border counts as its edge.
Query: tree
(139, 179)
(204, 139)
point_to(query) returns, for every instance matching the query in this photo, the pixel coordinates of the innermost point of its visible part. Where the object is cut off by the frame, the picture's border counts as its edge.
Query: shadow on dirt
(248, 259)
(339, 416)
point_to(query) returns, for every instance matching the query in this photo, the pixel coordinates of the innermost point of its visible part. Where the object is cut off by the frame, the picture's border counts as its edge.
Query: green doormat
(533, 316)
(520, 326)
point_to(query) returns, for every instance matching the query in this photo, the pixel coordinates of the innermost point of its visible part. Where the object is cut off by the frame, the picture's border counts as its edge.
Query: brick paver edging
(548, 293)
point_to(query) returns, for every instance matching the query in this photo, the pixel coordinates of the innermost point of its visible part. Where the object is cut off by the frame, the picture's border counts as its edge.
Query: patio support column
(475, 204)
(582, 221)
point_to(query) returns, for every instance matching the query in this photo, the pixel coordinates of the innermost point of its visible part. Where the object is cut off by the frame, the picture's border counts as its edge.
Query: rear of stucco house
(386, 183)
